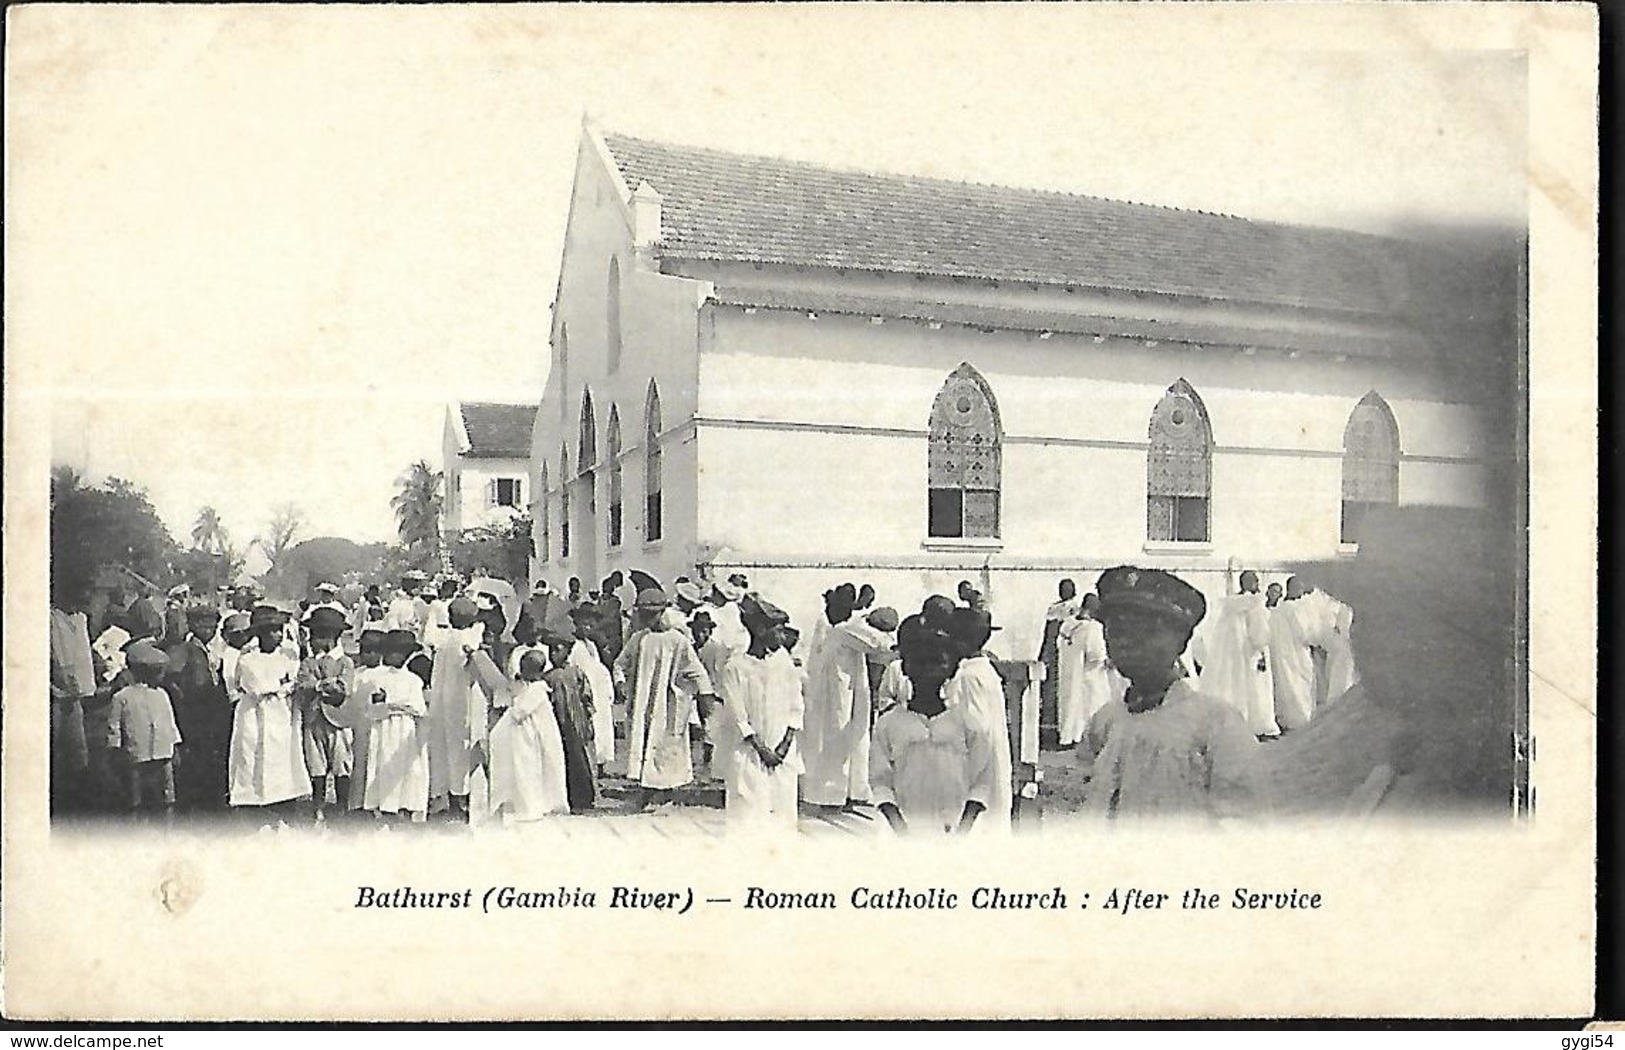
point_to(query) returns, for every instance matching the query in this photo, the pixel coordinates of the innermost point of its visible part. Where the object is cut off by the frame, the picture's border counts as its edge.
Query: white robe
(1083, 688)
(977, 689)
(930, 767)
(838, 714)
(457, 715)
(761, 698)
(1236, 642)
(1341, 674)
(584, 656)
(267, 757)
(1291, 665)
(527, 758)
(395, 774)
(666, 677)
(894, 690)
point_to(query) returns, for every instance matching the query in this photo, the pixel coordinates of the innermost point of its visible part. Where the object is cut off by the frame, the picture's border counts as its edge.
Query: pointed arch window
(651, 465)
(612, 322)
(544, 539)
(564, 501)
(613, 442)
(1370, 463)
(964, 459)
(587, 446)
(1179, 469)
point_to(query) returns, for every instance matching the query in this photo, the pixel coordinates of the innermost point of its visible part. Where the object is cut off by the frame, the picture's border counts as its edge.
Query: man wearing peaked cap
(1193, 753)
(1152, 591)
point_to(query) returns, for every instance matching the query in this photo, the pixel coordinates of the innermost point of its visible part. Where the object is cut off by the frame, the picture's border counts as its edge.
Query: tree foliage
(98, 528)
(417, 503)
(504, 549)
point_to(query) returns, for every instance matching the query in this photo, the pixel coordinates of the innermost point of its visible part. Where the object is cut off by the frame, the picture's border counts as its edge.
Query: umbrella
(642, 581)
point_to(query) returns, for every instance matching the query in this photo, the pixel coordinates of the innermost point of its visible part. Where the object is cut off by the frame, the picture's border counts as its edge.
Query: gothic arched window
(1370, 463)
(612, 322)
(544, 512)
(587, 447)
(613, 441)
(1179, 468)
(964, 459)
(651, 465)
(564, 501)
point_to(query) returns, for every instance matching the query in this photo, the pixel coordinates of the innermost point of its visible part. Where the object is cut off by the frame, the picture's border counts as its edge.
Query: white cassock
(838, 714)
(1083, 688)
(930, 767)
(1234, 647)
(1336, 624)
(761, 697)
(977, 688)
(457, 716)
(666, 677)
(267, 763)
(527, 758)
(584, 657)
(1291, 666)
(395, 772)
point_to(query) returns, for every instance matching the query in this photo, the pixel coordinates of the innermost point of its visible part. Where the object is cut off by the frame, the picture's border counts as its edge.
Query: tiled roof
(497, 430)
(731, 207)
(1307, 337)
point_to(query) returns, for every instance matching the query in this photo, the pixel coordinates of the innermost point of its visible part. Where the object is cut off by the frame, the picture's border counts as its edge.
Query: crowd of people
(456, 700)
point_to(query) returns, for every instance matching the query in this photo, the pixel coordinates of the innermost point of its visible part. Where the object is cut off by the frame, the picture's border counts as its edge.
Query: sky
(255, 251)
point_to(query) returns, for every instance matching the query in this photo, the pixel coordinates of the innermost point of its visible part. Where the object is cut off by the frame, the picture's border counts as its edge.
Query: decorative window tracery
(1179, 468)
(964, 458)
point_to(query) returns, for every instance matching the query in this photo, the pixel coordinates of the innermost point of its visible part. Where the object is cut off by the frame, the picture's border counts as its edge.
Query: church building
(812, 375)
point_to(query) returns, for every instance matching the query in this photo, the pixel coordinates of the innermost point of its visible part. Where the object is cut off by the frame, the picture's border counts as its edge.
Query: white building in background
(814, 375)
(486, 452)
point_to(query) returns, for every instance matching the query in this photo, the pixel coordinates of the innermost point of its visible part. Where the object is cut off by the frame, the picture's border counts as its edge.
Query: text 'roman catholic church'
(813, 375)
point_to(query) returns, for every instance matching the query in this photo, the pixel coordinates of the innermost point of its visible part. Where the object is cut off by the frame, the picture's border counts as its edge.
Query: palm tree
(417, 511)
(208, 533)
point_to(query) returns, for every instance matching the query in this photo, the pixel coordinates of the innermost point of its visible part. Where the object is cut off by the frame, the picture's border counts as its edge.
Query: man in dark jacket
(202, 713)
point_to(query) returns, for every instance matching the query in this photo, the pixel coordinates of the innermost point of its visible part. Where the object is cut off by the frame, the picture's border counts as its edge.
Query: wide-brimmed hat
(372, 638)
(267, 616)
(690, 592)
(330, 588)
(970, 622)
(237, 621)
(180, 590)
(202, 613)
(1127, 588)
(733, 588)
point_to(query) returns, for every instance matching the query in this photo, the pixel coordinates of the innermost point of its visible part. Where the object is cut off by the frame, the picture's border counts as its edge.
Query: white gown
(527, 758)
(978, 690)
(1291, 665)
(1083, 688)
(584, 656)
(267, 757)
(761, 697)
(456, 719)
(397, 764)
(1236, 643)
